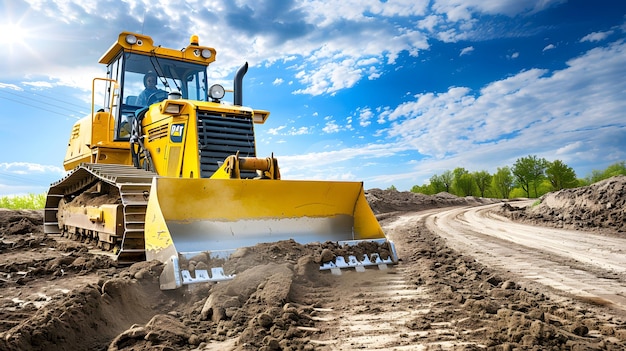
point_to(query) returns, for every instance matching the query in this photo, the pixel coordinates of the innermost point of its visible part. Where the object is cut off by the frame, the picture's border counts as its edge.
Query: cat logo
(176, 132)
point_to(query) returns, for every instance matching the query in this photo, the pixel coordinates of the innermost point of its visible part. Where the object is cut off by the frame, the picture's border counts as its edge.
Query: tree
(618, 168)
(612, 170)
(503, 181)
(560, 175)
(438, 184)
(463, 182)
(447, 178)
(426, 189)
(392, 188)
(529, 171)
(483, 180)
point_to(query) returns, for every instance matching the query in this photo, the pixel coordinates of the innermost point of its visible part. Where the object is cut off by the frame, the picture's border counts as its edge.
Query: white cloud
(596, 36)
(277, 81)
(365, 116)
(39, 84)
(373, 73)
(299, 131)
(315, 165)
(331, 127)
(29, 168)
(429, 23)
(289, 131)
(368, 61)
(457, 10)
(466, 50)
(549, 47)
(330, 78)
(10, 86)
(275, 131)
(21, 178)
(569, 148)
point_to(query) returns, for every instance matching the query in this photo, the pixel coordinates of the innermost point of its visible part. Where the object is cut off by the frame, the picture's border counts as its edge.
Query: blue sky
(384, 92)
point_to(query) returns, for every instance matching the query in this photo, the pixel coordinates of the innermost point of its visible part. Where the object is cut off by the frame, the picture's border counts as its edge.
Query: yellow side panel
(173, 162)
(101, 132)
(78, 150)
(91, 141)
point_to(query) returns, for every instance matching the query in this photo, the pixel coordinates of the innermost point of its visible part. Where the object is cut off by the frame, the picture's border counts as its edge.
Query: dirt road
(590, 266)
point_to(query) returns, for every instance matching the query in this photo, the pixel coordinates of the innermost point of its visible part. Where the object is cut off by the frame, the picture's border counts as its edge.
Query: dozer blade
(213, 217)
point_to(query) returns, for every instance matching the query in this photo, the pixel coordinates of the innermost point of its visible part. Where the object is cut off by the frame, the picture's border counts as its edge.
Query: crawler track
(133, 186)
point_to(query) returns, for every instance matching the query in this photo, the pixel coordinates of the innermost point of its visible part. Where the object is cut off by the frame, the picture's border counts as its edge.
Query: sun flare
(13, 33)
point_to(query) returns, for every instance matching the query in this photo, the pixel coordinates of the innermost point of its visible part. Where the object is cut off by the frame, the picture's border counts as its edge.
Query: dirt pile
(600, 206)
(37, 270)
(389, 201)
(90, 316)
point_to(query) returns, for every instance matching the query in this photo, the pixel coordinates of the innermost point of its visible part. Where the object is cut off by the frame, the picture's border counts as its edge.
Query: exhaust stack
(238, 84)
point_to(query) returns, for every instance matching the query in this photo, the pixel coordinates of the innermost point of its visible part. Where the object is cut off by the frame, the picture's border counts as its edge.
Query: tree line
(530, 176)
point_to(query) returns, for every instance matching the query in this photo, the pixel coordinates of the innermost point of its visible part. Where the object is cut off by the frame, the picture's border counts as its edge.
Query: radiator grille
(221, 135)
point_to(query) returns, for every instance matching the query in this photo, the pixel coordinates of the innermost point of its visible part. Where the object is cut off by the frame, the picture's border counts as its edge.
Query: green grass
(23, 202)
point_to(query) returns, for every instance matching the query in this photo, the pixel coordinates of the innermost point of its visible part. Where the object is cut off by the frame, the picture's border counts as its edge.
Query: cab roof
(140, 43)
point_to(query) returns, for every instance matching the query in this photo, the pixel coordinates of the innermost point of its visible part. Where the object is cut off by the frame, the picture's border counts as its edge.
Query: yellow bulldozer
(167, 169)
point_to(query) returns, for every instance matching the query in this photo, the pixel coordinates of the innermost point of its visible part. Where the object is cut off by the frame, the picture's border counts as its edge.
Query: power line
(53, 98)
(39, 106)
(26, 180)
(47, 97)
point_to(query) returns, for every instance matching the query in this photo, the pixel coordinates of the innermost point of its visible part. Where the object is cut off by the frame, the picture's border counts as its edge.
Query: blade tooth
(202, 275)
(366, 261)
(340, 262)
(218, 273)
(352, 261)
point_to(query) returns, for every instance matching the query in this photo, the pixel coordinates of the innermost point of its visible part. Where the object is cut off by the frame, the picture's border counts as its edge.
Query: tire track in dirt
(378, 309)
(586, 265)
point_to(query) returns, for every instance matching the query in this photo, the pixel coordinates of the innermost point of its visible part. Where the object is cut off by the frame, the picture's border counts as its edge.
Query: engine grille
(221, 135)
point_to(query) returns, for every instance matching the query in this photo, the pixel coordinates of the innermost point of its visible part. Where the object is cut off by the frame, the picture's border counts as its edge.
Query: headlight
(206, 53)
(216, 92)
(171, 108)
(131, 39)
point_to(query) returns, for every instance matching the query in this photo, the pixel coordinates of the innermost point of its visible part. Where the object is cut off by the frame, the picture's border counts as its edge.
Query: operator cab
(133, 62)
(145, 80)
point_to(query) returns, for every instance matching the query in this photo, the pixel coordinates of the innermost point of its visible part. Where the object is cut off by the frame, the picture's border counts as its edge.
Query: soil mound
(90, 316)
(14, 222)
(599, 206)
(386, 201)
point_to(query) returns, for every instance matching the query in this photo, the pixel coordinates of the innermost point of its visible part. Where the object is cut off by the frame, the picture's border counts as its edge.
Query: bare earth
(474, 274)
